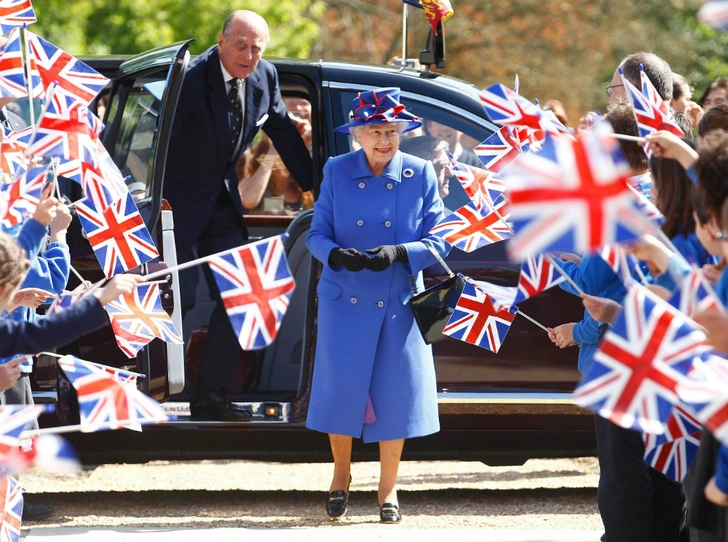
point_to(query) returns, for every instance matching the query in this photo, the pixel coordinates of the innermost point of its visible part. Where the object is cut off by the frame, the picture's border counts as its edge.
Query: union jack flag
(649, 108)
(140, 315)
(56, 66)
(506, 108)
(498, 150)
(63, 301)
(503, 297)
(12, 71)
(694, 295)
(672, 452)
(107, 403)
(128, 377)
(50, 453)
(619, 261)
(470, 229)
(483, 187)
(24, 194)
(66, 128)
(71, 169)
(705, 392)
(117, 234)
(537, 275)
(636, 370)
(653, 214)
(529, 139)
(256, 286)
(572, 196)
(14, 419)
(11, 494)
(12, 151)
(476, 321)
(15, 13)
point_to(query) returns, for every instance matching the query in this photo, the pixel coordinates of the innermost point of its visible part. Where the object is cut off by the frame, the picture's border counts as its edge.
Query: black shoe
(389, 513)
(36, 512)
(337, 502)
(217, 407)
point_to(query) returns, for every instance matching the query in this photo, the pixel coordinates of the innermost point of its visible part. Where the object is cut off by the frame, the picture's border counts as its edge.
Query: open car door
(139, 113)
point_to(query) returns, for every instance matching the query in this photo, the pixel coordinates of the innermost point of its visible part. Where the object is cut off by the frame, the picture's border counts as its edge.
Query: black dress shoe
(36, 512)
(216, 407)
(337, 502)
(389, 513)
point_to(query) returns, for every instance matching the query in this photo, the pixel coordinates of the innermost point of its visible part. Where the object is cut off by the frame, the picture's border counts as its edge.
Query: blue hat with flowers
(379, 106)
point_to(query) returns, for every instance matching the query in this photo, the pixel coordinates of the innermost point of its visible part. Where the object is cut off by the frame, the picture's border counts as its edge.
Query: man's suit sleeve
(285, 137)
(20, 338)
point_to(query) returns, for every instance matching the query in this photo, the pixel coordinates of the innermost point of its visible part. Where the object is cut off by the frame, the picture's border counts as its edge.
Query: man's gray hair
(248, 16)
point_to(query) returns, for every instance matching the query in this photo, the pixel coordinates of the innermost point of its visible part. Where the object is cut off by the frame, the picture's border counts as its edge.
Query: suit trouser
(636, 502)
(224, 231)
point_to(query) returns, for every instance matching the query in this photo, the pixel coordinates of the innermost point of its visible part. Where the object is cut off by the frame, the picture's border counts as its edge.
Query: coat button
(380, 304)
(387, 224)
(359, 222)
(353, 300)
(390, 186)
(361, 185)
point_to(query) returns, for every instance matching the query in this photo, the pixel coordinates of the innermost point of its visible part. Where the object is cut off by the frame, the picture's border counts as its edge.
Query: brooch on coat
(408, 173)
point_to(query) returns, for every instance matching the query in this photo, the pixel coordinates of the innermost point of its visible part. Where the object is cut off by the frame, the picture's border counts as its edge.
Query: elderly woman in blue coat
(374, 376)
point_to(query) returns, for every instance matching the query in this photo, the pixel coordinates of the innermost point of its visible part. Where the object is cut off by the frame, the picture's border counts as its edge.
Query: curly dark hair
(712, 170)
(13, 262)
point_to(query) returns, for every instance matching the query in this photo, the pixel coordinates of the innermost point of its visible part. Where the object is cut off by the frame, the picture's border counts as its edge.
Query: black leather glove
(349, 258)
(386, 255)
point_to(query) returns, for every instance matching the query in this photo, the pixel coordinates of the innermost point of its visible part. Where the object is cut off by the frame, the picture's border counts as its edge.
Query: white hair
(356, 131)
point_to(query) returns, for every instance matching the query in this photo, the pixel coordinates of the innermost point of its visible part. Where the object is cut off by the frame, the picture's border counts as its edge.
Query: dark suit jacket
(19, 338)
(199, 163)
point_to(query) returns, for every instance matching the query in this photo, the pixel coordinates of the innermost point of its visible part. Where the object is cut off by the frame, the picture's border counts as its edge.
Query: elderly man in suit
(229, 93)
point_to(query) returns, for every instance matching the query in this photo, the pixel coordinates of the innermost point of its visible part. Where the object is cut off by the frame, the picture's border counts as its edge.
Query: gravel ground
(542, 494)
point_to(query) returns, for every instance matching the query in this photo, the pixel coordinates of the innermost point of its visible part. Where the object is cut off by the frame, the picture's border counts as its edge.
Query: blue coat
(368, 342)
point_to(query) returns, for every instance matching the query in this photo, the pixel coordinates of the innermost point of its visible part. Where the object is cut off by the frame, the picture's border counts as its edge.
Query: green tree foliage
(134, 26)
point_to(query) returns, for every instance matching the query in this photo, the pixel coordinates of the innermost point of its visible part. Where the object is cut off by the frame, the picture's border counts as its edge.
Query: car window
(265, 185)
(453, 132)
(136, 112)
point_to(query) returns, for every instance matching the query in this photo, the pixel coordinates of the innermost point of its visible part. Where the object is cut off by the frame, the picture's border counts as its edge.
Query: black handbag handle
(439, 260)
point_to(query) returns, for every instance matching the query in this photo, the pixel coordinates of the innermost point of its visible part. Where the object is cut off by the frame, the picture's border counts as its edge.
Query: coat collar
(392, 171)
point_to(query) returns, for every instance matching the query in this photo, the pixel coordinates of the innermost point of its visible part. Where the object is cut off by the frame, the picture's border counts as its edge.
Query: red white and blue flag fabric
(714, 14)
(649, 108)
(66, 128)
(498, 150)
(64, 300)
(14, 419)
(11, 495)
(55, 66)
(23, 195)
(476, 321)
(12, 151)
(653, 214)
(102, 182)
(572, 196)
(107, 403)
(621, 263)
(649, 349)
(15, 13)
(503, 297)
(50, 453)
(117, 234)
(12, 71)
(256, 286)
(507, 108)
(705, 392)
(470, 229)
(694, 295)
(483, 187)
(672, 452)
(538, 274)
(140, 315)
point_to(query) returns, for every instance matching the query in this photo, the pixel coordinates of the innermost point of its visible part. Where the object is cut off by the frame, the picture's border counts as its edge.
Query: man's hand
(45, 212)
(714, 494)
(716, 327)
(563, 335)
(9, 373)
(29, 297)
(119, 285)
(601, 309)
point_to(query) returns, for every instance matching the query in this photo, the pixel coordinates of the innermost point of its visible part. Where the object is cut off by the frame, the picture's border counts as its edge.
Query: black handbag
(434, 306)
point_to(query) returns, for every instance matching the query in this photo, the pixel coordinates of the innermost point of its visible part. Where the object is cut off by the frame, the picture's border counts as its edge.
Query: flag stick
(643, 278)
(28, 76)
(78, 275)
(54, 355)
(527, 317)
(567, 278)
(198, 261)
(625, 137)
(404, 34)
